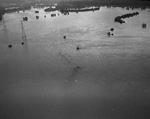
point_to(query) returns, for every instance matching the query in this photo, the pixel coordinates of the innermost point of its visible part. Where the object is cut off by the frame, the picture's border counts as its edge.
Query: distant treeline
(26, 4)
(128, 15)
(97, 1)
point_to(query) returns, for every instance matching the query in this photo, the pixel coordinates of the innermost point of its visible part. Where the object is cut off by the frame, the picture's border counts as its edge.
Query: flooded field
(75, 65)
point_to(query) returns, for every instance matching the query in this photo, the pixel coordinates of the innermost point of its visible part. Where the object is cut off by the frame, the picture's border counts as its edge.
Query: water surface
(112, 83)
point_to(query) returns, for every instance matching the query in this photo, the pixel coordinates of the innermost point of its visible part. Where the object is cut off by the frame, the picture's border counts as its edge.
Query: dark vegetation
(3, 10)
(79, 10)
(65, 6)
(66, 9)
(50, 9)
(119, 18)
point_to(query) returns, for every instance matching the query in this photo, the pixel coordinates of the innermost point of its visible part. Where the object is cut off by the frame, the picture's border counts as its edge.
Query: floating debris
(112, 29)
(77, 68)
(143, 25)
(53, 15)
(64, 37)
(45, 16)
(110, 34)
(78, 48)
(66, 13)
(25, 19)
(22, 43)
(10, 46)
(36, 11)
(37, 17)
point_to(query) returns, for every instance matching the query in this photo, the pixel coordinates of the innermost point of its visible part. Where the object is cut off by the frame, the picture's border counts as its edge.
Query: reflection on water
(71, 66)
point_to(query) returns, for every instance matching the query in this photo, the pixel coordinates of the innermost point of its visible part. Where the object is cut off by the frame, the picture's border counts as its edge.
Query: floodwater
(48, 78)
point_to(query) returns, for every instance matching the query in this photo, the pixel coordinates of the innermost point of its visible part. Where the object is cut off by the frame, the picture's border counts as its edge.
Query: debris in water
(25, 19)
(143, 25)
(10, 46)
(66, 13)
(22, 43)
(37, 17)
(36, 11)
(77, 68)
(110, 34)
(53, 15)
(64, 37)
(78, 48)
(112, 29)
(45, 16)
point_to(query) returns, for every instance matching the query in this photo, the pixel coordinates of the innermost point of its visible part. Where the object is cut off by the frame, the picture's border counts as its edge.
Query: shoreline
(72, 4)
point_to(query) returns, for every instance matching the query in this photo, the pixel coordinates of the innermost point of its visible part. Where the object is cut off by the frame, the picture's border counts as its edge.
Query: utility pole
(23, 33)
